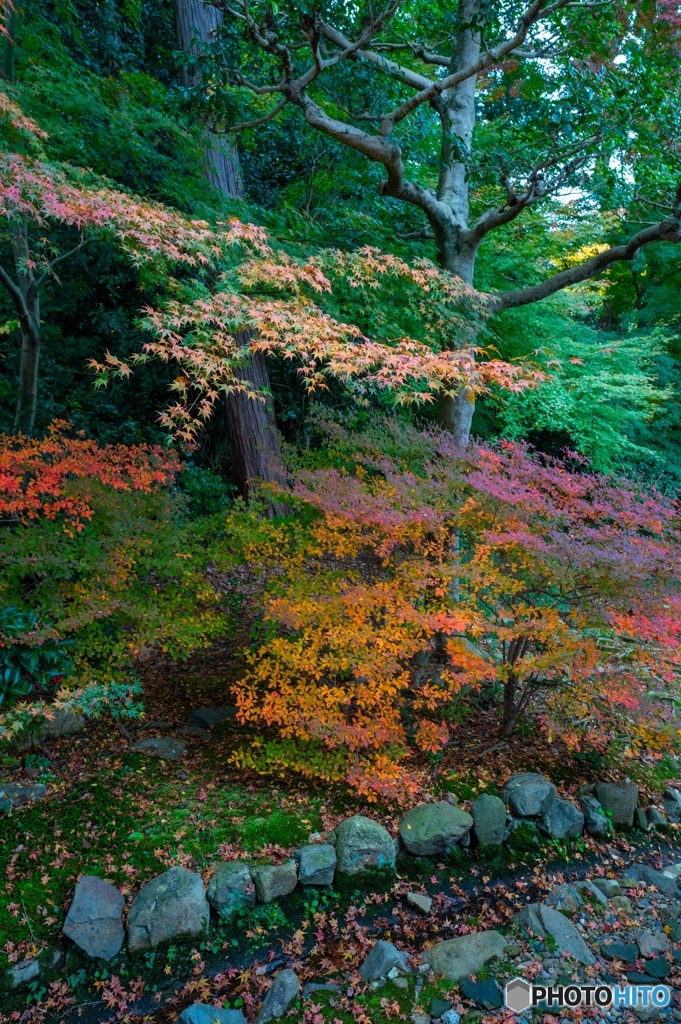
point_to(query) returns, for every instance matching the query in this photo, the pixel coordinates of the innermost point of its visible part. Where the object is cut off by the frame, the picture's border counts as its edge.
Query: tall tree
(526, 102)
(253, 434)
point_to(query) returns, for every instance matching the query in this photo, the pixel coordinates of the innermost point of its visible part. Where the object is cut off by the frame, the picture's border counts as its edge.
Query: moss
(376, 880)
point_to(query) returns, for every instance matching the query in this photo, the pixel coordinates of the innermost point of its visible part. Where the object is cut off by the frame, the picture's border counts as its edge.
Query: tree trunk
(253, 432)
(29, 322)
(510, 710)
(196, 24)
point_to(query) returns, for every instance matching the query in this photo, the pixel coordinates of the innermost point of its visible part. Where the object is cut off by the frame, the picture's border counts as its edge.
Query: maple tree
(496, 570)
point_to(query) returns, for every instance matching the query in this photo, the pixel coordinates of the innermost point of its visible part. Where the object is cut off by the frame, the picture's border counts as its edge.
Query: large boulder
(280, 998)
(16, 794)
(201, 1013)
(95, 918)
(455, 958)
(565, 934)
(431, 829)
(383, 958)
(165, 747)
(562, 820)
(529, 795)
(363, 844)
(595, 821)
(489, 819)
(663, 882)
(171, 906)
(619, 799)
(274, 880)
(231, 889)
(317, 864)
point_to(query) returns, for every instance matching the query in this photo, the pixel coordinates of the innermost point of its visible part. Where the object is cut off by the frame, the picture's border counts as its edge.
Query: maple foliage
(496, 571)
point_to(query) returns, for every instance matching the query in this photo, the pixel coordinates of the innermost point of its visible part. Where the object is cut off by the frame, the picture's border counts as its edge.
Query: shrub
(27, 658)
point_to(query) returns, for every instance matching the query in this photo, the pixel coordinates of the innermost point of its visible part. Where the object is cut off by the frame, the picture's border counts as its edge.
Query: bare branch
(245, 125)
(59, 259)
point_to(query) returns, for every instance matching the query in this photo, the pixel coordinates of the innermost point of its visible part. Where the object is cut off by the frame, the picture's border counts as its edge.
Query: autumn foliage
(528, 580)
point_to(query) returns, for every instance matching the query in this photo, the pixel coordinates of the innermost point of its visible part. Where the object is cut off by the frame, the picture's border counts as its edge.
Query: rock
(200, 1013)
(317, 864)
(14, 794)
(171, 906)
(363, 844)
(165, 747)
(483, 993)
(489, 819)
(194, 732)
(590, 893)
(281, 996)
(644, 873)
(658, 968)
(63, 722)
(608, 886)
(565, 935)
(529, 795)
(647, 1012)
(312, 987)
(432, 829)
(641, 820)
(95, 918)
(450, 1017)
(455, 958)
(671, 801)
(651, 943)
(529, 921)
(622, 903)
(423, 904)
(565, 897)
(231, 889)
(562, 820)
(274, 880)
(439, 1006)
(620, 799)
(209, 717)
(595, 821)
(656, 818)
(24, 972)
(382, 959)
(627, 952)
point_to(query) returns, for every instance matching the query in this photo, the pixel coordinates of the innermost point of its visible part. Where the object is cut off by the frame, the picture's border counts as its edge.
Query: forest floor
(113, 812)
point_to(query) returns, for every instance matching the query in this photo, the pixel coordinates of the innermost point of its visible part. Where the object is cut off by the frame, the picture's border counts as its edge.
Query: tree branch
(664, 231)
(59, 259)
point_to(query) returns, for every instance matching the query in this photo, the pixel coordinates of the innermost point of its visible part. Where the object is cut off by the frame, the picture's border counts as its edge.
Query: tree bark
(27, 304)
(197, 23)
(253, 433)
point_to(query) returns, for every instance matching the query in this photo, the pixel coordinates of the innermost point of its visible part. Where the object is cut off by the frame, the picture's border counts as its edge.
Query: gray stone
(455, 958)
(595, 821)
(651, 943)
(620, 799)
(658, 968)
(171, 906)
(529, 921)
(450, 1017)
(432, 829)
(671, 801)
(317, 864)
(281, 996)
(489, 819)
(63, 722)
(562, 820)
(565, 897)
(483, 993)
(231, 889)
(622, 903)
(274, 880)
(383, 958)
(609, 887)
(529, 794)
(209, 717)
(14, 794)
(641, 820)
(95, 918)
(644, 873)
(24, 972)
(165, 747)
(590, 893)
(656, 819)
(565, 935)
(310, 988)
(363, 844)
(423, 904)
(627, 952)
(201, 1013)
(439, 1006)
